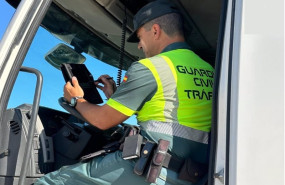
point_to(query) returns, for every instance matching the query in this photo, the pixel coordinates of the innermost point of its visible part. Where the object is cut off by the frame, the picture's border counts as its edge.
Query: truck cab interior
(97, 29)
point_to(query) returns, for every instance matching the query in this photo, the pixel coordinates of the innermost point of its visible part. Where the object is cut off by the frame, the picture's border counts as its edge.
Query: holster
(145, 157)
(192, 171)
(157, 160)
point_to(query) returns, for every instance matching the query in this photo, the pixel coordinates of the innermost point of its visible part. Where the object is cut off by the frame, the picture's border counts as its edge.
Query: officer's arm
(102, 117)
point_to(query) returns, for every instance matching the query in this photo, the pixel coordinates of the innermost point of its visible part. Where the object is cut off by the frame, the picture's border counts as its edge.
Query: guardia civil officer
(167, 92)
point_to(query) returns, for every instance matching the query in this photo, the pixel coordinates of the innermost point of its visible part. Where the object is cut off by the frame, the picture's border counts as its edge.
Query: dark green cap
(149, 12)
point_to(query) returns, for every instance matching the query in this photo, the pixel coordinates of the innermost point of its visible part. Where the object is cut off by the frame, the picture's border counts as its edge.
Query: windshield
(53, 81)
(82, 39)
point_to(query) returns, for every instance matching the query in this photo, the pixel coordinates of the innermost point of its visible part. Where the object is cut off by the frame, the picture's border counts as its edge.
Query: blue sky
(53, 84)
(6, 12)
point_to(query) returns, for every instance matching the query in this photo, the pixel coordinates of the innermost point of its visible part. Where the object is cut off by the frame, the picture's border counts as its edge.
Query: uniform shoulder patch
(125, 78)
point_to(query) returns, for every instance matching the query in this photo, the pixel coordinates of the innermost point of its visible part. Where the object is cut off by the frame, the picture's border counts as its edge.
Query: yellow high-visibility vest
(184, 90)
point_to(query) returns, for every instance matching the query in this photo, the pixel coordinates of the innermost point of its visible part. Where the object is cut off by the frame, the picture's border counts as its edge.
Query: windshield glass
(65, 28)
(53, 81)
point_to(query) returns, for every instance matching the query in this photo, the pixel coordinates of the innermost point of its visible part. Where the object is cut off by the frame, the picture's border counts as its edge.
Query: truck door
(249, 101)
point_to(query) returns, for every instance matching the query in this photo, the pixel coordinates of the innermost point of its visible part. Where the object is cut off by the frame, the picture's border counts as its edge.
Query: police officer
(170, 91)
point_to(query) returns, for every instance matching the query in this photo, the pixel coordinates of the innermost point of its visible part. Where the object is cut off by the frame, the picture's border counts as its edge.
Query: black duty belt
(152, 157)
(173, 163)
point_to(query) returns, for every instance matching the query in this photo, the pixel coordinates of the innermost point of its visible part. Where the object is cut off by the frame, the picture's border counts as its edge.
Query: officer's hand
(109, 85)
(72, 91)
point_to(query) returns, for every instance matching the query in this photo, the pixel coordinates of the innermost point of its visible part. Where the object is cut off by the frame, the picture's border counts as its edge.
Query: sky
(52, 84)
(6, 13)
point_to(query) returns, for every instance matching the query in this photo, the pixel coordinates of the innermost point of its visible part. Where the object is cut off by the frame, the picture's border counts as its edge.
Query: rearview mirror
(62, 53)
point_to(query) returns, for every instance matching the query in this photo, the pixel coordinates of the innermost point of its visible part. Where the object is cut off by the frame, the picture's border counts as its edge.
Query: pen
(101, 80)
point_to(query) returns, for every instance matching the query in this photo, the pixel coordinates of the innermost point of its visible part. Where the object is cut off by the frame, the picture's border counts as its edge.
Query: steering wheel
(62, 102)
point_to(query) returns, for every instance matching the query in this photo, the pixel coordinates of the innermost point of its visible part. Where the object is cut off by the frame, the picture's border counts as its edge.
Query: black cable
(122, 49)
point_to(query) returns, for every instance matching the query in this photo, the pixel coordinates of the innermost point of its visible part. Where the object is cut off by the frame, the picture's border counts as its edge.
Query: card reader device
(85, 80)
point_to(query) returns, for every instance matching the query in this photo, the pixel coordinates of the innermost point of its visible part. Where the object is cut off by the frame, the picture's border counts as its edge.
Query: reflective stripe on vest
(176, 129)
(161, 110)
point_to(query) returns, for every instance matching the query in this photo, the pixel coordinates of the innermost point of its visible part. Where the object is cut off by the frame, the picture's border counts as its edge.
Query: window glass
(53, 81)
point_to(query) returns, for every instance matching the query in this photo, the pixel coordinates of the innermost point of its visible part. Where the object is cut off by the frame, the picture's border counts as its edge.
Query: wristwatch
(73, 101)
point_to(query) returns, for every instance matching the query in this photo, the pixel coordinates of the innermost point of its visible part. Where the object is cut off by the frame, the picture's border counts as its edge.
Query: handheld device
(85, 80)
